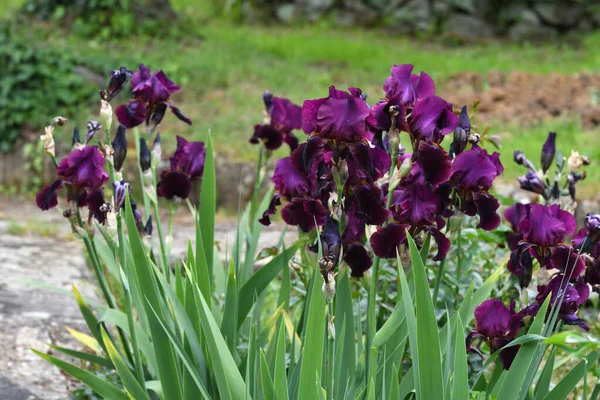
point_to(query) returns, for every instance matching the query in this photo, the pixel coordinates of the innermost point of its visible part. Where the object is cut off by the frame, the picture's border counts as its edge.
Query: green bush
(36, 83)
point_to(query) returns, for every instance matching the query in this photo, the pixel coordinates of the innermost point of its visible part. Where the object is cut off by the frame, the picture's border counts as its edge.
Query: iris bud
(462, 131)
(145, 158)
(76, 138)
(120, 189)
(268, 100)
(532, 183)
(548, 151)
(93, 126)
(156, 151)
(118, 79)
(119, 145)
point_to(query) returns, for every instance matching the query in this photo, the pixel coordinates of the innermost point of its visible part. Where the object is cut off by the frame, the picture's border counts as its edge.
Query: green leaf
(568, 383)
(98, 385)
(265, 377)
(543, 385)
(431, 383)
(91, 358)
(208, 205)
(344, 335)
(512, 384)
(460, 381)
(279, 376)
(411, 379)
(201, 271)
(165, 358)
(390, 325)
(90, 319)
(314, 335)
(286, 287)
(229, 325)
(132, 386)
(254, 287)
(229, 380)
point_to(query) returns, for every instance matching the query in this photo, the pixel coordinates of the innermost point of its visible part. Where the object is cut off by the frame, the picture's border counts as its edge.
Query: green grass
(224, 68)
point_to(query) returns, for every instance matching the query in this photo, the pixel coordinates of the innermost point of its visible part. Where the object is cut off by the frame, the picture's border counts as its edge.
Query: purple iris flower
(573, 296)
(341, 116)
(406, 87)
(432, 118)
(97, 205)
(47, 198)
(84, 167)
(285, 116)
(151, 97)
(498, 325)
(475, 170)
(187, 165)
(547, 225)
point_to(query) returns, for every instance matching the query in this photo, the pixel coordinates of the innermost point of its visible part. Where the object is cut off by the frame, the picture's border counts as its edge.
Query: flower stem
(257, 185)
(163, 250)
(371, 309)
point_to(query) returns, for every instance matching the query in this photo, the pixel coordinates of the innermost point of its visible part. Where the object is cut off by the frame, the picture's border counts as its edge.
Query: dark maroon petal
(314, 207)
(487, 207)
(272, 138)
(507, 356)
(399, 84)
(179, 114)
(435, 163)
(83, 168)
(371, 204)
(295, 214)
(566, 260)
(310, 108)
(416, 204)
(140, 76)
(291, 140)
(290, 182)
(443, 243)
(355, 230)
(494, 320)
(372, 161)
(47, 198)
(342, 116)
(174, 184)
(131, 114)
(165, 82)
(95, 201)
(475, 169)
(275, 201)
(432, 118)
(285, 115)
(547, 225)
(380, 120)
(515, 214)
(386, 241)
(189, 158)
(306, 156)
(358, 259)
(423, 86)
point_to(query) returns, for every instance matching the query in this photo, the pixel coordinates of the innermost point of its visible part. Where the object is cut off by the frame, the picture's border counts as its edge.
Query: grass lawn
(224, 68)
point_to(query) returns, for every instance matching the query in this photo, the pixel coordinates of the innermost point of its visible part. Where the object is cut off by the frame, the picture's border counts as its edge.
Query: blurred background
(532, 65)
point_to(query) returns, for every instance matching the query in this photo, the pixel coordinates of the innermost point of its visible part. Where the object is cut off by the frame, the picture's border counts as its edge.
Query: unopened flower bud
(532, 183)
(106, 113)
(119, 148)
(519, 158)
(118, 79)
(145, 158)
(406, 167)
(148, 227)
(60, 121)
(137, 217)
(76, 139)
(93, 126)
(268, 100)
(548, 151)
(120, 189)
(156, 151)
(461, 133)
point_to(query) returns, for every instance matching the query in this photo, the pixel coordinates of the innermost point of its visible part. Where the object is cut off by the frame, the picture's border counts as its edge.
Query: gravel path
(36, 246)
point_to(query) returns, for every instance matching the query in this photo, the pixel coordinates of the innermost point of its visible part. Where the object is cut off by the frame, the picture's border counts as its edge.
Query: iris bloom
(151, 97)
(187, 165)
(284, 116)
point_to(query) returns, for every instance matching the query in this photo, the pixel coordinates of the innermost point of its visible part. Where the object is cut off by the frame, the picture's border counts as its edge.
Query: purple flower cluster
(187, 165)
(339, 169)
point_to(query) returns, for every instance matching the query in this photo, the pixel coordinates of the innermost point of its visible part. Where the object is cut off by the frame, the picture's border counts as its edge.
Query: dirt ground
(527, 98)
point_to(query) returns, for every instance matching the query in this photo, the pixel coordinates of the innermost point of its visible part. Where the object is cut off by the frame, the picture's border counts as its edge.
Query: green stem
(438, 281)
(371, 315)
(257, 185)
(330, 356)
(161, 239)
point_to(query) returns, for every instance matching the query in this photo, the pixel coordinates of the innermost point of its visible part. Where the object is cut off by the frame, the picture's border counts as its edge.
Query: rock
(345, 18)
(12, 391)
(286, 13)
(532, 32)
(413, 17)
(468, 27)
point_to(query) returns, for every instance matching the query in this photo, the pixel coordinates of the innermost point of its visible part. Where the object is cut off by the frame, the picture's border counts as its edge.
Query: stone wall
(468, 19)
